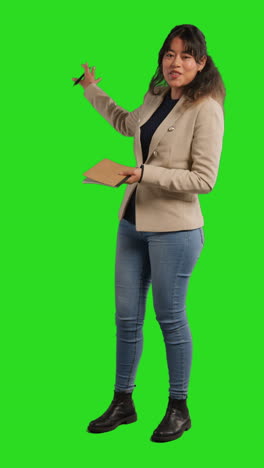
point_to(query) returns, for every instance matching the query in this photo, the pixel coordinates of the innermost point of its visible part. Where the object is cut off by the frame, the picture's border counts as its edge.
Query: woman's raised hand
(88, 77)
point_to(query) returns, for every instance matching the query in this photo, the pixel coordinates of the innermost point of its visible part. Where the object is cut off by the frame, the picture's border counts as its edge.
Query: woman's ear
(202, 62)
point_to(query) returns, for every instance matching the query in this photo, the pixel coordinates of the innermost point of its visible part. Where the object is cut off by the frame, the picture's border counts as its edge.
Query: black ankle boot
(175, 422)
(120, 411)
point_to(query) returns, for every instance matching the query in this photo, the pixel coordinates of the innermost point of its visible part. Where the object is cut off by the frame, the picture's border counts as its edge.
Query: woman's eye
(170, 55)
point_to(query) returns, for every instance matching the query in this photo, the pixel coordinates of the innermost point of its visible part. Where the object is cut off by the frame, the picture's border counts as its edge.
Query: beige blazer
(183, 158)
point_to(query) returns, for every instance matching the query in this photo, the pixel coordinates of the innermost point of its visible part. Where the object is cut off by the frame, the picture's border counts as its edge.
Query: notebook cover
(106, 172)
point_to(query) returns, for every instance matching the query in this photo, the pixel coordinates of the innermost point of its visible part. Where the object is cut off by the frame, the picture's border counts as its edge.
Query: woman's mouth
(174, 75)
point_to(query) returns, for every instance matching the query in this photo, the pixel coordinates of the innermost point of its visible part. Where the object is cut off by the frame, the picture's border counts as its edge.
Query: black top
(146, 133)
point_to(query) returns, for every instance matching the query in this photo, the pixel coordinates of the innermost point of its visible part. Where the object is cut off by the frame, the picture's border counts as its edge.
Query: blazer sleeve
(205, 156)
(123, 121)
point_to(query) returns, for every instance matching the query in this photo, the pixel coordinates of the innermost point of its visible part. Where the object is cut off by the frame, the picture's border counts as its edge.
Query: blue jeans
(165, 259)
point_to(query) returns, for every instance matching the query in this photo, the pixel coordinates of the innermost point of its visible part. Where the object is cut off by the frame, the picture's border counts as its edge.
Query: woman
(178, 134)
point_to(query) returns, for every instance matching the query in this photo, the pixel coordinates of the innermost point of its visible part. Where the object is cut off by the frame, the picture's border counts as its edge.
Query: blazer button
(155, 153)
(170, 129)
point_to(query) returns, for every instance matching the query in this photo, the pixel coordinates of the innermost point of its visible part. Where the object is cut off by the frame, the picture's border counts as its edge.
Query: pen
(79, 79)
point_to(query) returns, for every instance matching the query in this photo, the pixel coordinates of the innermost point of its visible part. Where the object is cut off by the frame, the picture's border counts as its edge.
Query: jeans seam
(182, 347)
(139, 298)
(202, 235)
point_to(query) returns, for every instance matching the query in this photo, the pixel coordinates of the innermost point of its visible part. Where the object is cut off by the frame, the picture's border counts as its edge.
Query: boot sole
(168, 438)
(126, 420)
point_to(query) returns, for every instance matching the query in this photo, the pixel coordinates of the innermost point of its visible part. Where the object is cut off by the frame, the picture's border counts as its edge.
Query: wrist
(142, 170)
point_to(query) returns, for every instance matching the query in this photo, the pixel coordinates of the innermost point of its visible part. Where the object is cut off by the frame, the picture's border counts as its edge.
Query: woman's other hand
(135, 174)
(88, 77)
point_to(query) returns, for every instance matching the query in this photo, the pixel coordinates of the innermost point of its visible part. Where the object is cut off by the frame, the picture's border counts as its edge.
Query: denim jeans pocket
(202, 234)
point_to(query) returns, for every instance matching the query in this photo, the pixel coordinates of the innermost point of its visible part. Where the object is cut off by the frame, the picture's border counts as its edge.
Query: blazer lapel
(173, 115)
(153, 105)
(162, 129)
(148, 111)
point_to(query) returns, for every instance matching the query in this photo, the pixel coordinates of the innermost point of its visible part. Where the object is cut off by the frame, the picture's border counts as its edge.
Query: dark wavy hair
(207, 82)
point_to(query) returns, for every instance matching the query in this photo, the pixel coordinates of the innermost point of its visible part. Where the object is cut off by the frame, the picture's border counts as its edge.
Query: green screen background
(59, 238)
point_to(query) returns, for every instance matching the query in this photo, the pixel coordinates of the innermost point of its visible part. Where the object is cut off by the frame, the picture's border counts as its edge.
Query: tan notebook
(106, 173)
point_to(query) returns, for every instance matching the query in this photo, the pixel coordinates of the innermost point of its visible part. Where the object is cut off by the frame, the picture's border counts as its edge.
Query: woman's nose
(176, 61)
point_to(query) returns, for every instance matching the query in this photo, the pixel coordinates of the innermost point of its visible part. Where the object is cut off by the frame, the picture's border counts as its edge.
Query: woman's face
(175, 60)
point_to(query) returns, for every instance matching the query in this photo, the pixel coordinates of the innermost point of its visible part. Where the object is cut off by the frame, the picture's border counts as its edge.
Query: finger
(90, 69)
(97, 81)
(86, 67)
